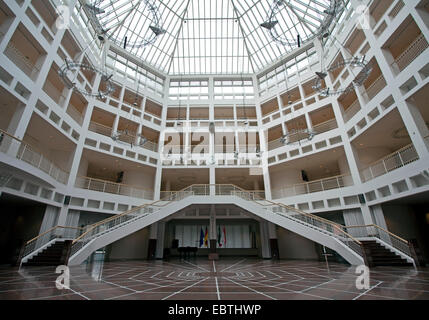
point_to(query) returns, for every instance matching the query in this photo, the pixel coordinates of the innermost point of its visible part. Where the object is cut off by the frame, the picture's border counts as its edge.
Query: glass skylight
(210, 36)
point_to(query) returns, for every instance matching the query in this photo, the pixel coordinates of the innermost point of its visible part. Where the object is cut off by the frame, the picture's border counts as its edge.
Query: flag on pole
(224, 236)
(201, 237)
(219, 237)
(206, 238)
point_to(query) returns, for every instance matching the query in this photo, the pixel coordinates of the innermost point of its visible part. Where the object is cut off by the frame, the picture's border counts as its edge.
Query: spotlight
(321, 75)
(157, 30)
(94, 9)
(269, 24)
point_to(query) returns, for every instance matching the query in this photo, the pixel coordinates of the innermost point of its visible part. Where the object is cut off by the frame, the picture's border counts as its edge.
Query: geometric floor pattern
(226, 279)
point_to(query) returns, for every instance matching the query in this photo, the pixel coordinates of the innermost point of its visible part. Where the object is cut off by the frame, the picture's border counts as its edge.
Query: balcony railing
(378, 85)
(32, 156)
(54, 93)
(275, 144)
(112, 187)
(351, 110)
(128, 138)
(20, 60)
(324, 184)
(411, 53)
(100, 129)
(325, 126)
(75, 114)
(291, 138)
(225, 148)
(393, 161)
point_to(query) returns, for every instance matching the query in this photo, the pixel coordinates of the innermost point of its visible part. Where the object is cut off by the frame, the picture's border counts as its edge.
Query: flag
(201, 237)
(224, 236)
(206, 238)
(219, 236)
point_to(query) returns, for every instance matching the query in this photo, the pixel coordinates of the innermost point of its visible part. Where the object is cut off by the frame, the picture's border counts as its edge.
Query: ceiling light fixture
(277, 31)
(360, 62)
(148, 7)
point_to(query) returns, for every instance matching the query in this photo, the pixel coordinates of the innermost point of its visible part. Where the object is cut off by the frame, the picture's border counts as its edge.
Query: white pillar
(160, 240)
(264, 236)
(213, 233)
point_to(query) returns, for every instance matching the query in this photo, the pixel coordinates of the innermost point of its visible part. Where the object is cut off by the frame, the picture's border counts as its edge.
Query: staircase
(54, 255)
(331, 235)
(379, 255)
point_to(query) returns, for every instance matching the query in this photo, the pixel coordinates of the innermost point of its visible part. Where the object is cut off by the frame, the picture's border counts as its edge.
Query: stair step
(394, 264)
(49, 256)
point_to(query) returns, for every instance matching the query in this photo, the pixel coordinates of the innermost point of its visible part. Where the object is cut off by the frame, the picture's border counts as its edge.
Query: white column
(159, 254)
(265, 241)
(213, 234)
(212, 180)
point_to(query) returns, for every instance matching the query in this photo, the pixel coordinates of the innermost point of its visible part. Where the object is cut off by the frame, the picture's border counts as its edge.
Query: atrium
(214, 149)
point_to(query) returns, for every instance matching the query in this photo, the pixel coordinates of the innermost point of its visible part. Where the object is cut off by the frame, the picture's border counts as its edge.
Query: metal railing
(325, 126)
(393, 161)
(58, 232)
(351, 110)
(75, 114)
(419, 45)
(25, 152)
(378, 85)
(54, 93)
(291, 138)
(20, 60)
(317, 223)
(100, 129)
(346, 235)
(324, 184)
(225, 148)
(112, 187)
(106, 225)
(374, 231)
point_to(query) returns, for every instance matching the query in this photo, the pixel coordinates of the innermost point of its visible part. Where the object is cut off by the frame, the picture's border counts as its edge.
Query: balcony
(391, 162)
(351, 111)
(411, 53)
(113, 188)
(75, 114)
(31, 156)
(100, 129)
(26, 66)
(324, 184)
(378, 85)
(325, 126)
(54, 93)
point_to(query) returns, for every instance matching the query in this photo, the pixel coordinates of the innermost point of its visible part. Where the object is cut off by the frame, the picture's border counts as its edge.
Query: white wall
(293, 246)
(140, 178)
(369, 155)
(283, 178)
(134, 246)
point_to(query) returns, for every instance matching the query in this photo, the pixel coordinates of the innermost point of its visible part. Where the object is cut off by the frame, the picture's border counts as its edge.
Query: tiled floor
(226, 279)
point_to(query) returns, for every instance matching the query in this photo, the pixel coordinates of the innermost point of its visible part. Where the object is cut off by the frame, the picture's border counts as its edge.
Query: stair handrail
(26, 252)
(53, 228)
(288, 207)
(381, 228)
(252, 197)
(335, 226)
(95, 225)
(398, 243)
